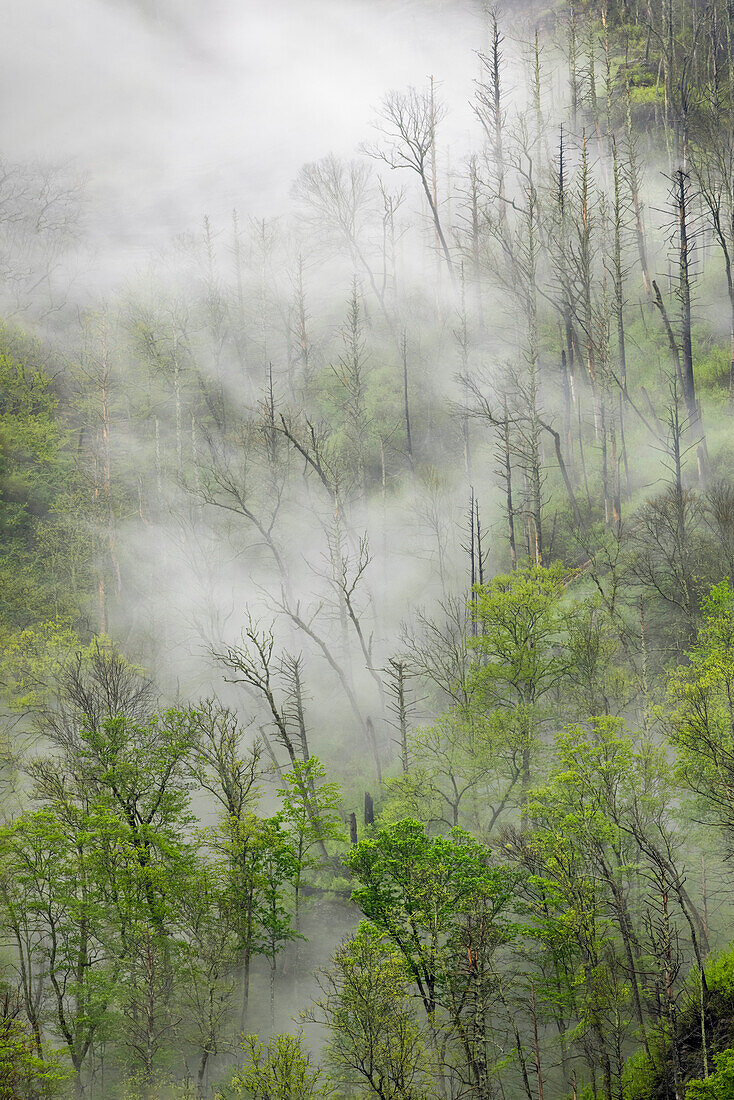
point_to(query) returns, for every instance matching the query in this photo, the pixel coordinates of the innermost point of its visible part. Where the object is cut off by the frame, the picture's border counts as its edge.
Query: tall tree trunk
(684, 291)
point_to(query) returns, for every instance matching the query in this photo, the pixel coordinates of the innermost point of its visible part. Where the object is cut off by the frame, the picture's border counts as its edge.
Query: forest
(367, 598)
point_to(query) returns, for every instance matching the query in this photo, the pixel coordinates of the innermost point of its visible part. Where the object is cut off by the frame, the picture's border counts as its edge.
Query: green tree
(375, 1043)
(720, 1085)
(440, 901)
(581, 876)
(310, 814)
(207, 964)
(701, 711)
(121, 763)
(521, 625)
(230, 775)
(24, 1074)
(41, 578)
(278, 868)
(54, 910)
(280, 1070)
(464, 770)
(610, 952)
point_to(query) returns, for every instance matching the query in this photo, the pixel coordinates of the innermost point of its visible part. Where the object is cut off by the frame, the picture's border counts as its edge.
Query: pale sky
(177, 108)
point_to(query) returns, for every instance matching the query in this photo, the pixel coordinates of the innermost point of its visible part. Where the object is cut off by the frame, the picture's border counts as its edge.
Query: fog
(171, 109)
(340, 318)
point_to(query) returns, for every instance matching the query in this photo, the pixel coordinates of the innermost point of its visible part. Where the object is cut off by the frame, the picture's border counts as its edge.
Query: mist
(167, 111)
(367, 565)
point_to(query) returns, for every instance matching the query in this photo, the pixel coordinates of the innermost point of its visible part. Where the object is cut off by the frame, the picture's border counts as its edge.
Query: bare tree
(488, 106)
(254, 664)
(713, 164)
(247, 478)
(408, 120)
(39, 222)
(337, 196)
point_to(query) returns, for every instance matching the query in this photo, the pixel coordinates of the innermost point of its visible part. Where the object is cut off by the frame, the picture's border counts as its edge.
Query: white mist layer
(171, 109)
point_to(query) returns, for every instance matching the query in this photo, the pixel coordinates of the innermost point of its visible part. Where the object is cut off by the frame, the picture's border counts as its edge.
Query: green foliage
(260, 863)
(521, 634)
(142, 879)
(42, 576)
(280, 1070)
(31, 662)
(596, 674)
(649, 1074)
(375, 1044)
(469, 756)
(643, 93)
(720, 1085)
(53, 904)
(640, 1075)
(520, 621)
(418, 890)
(701, 715)
(720, 972)
(278, 866)
(32, 463)
(712, 372)
(24, 1073)
(310, 807)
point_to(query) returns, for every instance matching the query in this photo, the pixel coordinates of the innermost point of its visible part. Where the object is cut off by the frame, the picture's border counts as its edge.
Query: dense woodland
(367, 605)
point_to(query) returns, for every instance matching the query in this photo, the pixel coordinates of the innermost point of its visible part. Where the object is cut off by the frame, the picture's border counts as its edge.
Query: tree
(721, 1082)
(24, 1074)
(254, 664)
(278, 867)
(310, 813)
(490, 110)
(713, 164)
(220, 767)
(375, 1043)
(217, 761)
(53, 908)
(259, 866)
(207, 965)
(282, 1070)
(612, 954)
(337, 197)
(351, 372)
(134, 771)
(520, 634)
(669, 559)
(701, 714)
(682, 201)
(409, 120)
(119, 776)
(439, 901)
(467, 759)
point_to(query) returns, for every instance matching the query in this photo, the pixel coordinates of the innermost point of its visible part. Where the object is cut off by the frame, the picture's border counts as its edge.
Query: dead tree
(337, 196)
(397, 673)
(406, 403)
(408, 120)
(713, 165)
(255, 664)
(488, 106)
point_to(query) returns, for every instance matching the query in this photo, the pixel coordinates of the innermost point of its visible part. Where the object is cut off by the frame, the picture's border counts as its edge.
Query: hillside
(367, 556)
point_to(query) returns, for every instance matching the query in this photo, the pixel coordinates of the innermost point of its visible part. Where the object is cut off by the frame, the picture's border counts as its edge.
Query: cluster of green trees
(130, 921)
(431, 477)
(549, 906)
